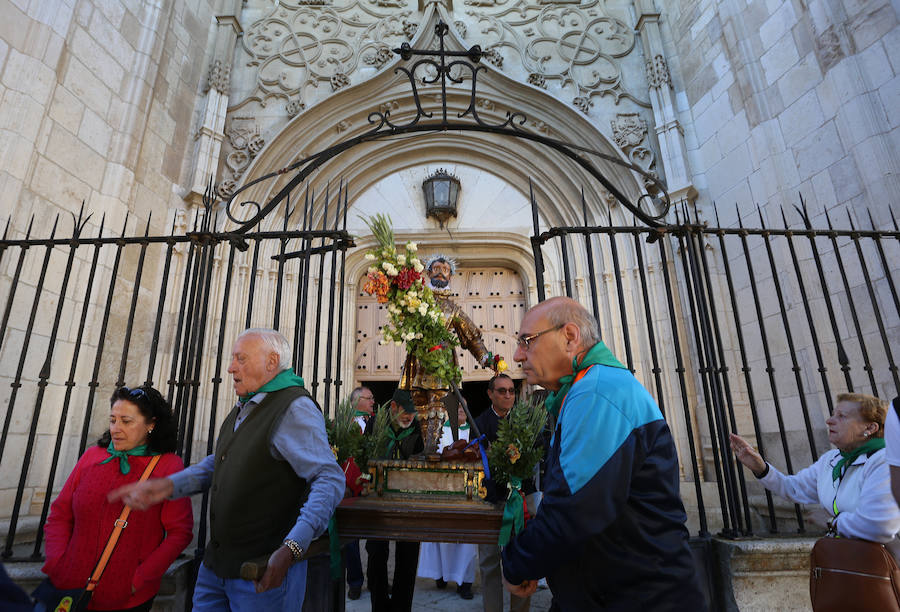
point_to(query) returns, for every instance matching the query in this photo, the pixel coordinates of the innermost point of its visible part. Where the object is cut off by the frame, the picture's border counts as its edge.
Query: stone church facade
(134, 107)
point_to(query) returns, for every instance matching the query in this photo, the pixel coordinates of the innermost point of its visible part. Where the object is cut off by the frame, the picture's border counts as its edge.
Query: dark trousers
(406, 561)
(354, 564)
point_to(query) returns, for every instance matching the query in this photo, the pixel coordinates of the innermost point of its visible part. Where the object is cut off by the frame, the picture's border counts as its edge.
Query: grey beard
(438, 283)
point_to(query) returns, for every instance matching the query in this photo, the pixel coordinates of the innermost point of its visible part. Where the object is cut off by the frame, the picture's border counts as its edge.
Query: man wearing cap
(273, 483)
(405, 441)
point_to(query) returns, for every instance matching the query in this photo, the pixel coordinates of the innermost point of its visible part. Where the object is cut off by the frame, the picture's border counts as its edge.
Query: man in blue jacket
(609, 534)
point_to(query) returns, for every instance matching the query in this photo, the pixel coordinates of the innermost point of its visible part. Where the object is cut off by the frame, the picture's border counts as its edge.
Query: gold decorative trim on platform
(419, 479)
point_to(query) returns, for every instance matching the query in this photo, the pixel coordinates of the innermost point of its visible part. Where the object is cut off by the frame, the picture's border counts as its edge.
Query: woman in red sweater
(81, 519)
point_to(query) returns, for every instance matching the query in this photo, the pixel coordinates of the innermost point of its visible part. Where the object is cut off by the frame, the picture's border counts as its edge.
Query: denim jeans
(216, 594)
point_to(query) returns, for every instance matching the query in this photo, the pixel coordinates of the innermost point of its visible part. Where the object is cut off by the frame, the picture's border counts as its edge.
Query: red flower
(406, 278)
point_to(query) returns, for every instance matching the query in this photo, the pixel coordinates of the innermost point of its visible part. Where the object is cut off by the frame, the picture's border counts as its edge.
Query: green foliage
(516, 451)
(375, 443)
(344, 435)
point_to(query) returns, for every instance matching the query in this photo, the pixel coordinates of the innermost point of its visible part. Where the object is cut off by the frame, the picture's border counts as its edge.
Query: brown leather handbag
(850, 575)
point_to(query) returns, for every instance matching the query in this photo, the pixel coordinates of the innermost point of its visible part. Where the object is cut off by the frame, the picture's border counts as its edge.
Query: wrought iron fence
(82, 315)
(752, 330)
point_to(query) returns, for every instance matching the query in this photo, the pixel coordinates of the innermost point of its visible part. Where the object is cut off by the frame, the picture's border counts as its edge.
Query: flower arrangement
(395, 277)
(515, 452)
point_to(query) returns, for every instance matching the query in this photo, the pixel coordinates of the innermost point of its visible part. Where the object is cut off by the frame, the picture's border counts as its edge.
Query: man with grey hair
(609, 533)
(273, 482)
(363, 401)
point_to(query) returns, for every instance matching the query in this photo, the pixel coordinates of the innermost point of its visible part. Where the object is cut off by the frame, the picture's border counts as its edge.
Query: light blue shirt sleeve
(193, 479)
(300, 439)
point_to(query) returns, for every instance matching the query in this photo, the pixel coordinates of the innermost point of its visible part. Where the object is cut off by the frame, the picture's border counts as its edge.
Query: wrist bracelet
(294, 547)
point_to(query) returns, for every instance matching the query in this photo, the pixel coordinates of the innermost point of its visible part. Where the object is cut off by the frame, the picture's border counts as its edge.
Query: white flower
(401, 259)
(418, 267)
(391, 271)
(423, 308)
(397, 342)
(419, 336)
(411, 309)
(382, 342)
(370, 257)
(402, 302)
(411, 246)
(372, 270)
(411, 294)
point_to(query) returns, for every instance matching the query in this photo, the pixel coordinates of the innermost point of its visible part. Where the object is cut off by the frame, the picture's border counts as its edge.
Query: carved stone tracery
(245, 142)
(630, 134)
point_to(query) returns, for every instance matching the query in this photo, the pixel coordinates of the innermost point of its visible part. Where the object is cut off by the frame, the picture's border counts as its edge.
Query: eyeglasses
(524, 342)
(505, 391)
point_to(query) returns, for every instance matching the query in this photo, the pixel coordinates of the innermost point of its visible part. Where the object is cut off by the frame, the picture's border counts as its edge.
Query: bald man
(609, 533)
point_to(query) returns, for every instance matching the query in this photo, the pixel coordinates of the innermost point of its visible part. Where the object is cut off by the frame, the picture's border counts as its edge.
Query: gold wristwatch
(295, 548)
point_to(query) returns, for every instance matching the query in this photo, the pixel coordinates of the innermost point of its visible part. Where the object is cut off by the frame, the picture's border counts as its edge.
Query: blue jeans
(214, 594)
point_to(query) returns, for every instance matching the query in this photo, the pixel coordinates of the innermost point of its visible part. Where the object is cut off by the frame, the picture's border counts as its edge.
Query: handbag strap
(120, 524)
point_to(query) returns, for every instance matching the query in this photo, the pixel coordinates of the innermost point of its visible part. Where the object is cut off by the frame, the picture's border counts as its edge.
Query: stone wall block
(818, 150)
(76, 157)
(111, 39)
(114, 11)
(66, 109)
(870, 21)
(777, 25)
(734, 133)
(733, 168)
(95, 132)
(118, 180)
(91, 90)
(14, 27)
(19, 114)
(779, 59)
(57, 185)
(861, 118)
(801, 118)
(97, 59)
(29, 76)
(875, 67)
(15, 153)
(802, 77)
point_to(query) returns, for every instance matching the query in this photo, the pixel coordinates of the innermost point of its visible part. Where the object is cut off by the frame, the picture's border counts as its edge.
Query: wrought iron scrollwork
(442, 66)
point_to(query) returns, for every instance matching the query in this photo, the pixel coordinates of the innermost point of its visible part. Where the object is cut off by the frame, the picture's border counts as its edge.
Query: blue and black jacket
(609, 533)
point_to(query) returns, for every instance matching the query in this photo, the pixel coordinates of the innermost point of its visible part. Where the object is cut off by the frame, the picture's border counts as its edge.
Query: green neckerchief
(847, 459)
(395, 438)
(137, 451)
(597, 355)
(283, 380)
(460, 427)
(361, 413)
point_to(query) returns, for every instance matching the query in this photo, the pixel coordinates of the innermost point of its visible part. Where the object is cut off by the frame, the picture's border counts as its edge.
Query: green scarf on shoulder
(282, 380)
(598, 354)
(847, 459)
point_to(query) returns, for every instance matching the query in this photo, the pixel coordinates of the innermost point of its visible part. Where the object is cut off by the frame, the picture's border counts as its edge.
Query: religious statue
(427, 389)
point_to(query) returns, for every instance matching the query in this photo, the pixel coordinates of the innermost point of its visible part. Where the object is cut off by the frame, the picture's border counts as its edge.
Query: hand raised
(142, 495)
(747, 455)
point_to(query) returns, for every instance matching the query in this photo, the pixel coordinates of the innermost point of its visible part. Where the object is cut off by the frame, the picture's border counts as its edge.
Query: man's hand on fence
(142, 495)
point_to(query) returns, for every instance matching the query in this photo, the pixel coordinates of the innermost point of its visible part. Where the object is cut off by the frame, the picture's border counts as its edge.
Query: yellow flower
(334, 449)
(482, 491)
(513, 453)
(501, 366)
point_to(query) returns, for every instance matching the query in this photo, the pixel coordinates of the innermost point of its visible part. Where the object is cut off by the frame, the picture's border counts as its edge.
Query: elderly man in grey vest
(273, 483)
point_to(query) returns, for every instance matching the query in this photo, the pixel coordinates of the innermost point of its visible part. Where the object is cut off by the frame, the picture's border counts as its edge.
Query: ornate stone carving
(381, 56)
(540, 126)
(409, 29)
(294, 107)
(537, 80)
(339, 80)
(828, 47)
(461, 28)
(582, 103)
(580, 47)
(387, 107)
(492, 56)
(658, 72)
(389, 3)
(246, 142)
(219, 77)
(297, 46)
(628, 130)
(630, 133)
(342, 126)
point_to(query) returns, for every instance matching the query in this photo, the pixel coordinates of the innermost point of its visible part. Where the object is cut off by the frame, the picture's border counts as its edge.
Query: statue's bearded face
(439, 274)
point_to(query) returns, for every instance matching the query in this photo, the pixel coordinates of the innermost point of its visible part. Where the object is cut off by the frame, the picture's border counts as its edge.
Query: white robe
(450, 562)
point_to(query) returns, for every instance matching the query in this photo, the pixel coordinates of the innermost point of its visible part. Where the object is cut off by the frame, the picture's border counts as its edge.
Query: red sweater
(81, 520)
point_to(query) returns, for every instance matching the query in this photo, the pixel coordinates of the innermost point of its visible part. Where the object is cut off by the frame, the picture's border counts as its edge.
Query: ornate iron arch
(441, 66)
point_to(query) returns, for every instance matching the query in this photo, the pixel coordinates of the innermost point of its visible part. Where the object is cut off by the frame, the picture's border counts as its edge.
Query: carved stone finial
(219, 76)
(492, 56)
(658, 72)
(339, 80)
(294, 107)
(537, 80)
(409, 29)
(582, 103)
